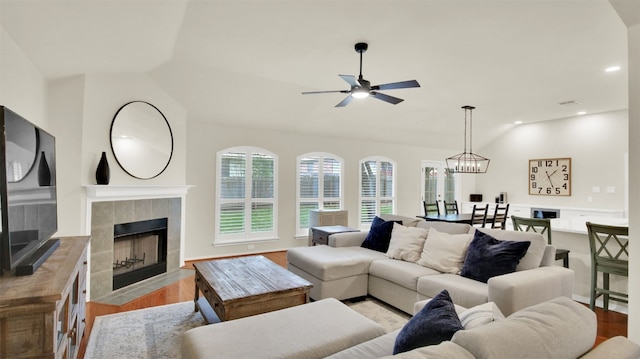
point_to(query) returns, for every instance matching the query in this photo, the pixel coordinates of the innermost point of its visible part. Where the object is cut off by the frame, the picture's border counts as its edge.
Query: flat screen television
(28, 194)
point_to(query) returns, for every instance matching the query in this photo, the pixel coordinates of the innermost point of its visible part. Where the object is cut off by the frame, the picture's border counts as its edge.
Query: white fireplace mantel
(98, 193)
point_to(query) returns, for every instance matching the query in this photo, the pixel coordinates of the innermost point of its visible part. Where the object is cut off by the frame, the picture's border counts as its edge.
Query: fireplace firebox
(139, 251)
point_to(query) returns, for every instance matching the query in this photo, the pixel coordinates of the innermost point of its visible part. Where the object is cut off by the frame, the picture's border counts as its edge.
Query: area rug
(154, 333)
(143, 334)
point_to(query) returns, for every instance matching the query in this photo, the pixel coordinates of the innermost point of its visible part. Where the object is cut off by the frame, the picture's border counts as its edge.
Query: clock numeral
(534, 185)
(548, 190)
(548, 163)
(558, 190)
(534, 169)
(533, 177)
(564, 168)
(540, 190)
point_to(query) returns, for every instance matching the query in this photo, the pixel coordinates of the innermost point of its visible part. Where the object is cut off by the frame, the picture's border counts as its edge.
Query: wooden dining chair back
(451, 207)
(609, 255)
(479, 215)
(431, 209)
(542, 226)
(499, 219)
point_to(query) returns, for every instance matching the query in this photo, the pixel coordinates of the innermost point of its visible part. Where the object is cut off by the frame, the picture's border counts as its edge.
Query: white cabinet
(321, 217)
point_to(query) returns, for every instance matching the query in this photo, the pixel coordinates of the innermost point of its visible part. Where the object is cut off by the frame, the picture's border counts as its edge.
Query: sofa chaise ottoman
(312, 330)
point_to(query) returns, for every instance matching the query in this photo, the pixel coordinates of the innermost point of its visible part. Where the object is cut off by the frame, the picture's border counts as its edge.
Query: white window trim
(377, 197)
(246, 237)
(321, 155)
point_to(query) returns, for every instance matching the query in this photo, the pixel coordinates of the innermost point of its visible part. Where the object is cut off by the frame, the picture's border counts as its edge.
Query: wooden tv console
(43, 315)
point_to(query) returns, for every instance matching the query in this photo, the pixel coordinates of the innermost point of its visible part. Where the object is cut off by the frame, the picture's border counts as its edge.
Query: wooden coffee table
(245, 286)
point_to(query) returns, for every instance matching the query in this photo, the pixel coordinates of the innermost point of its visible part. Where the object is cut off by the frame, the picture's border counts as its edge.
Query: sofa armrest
(617, 347)
(514, 291)
(347, 239)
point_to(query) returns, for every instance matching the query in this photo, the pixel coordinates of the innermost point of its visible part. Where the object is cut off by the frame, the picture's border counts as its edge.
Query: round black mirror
(141, 140)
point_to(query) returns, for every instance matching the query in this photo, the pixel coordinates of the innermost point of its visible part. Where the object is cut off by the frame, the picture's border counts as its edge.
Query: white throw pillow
(406, 242)
(445, 252)
(480, 315)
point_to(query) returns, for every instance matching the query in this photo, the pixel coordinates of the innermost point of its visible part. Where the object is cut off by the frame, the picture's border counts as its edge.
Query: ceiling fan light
(360, 93)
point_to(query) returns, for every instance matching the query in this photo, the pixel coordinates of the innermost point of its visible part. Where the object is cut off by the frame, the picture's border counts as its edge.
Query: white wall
(634, 179)
(22, 87)
(81, 110)
(205, 140)
(597, 145)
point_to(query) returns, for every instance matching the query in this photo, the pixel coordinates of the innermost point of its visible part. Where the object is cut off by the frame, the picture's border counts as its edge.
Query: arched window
(377, 188)
(246, 206)
(319, 186)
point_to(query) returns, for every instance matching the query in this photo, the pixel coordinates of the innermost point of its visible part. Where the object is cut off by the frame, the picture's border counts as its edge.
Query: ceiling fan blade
(345, 102)
(386, 98)
(351, 80)
(397, 85)
(315, 92)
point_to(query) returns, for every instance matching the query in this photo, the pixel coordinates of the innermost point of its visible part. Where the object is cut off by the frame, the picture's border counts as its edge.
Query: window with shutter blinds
(377, 188)
(319, 186)
(246, 191)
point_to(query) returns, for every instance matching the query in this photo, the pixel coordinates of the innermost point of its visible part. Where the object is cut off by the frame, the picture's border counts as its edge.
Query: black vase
(102, 172)
(44, 174)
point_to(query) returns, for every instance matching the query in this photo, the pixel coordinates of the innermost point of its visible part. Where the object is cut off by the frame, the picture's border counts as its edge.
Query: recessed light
(517, 123)
(612, 69)
(581, 113)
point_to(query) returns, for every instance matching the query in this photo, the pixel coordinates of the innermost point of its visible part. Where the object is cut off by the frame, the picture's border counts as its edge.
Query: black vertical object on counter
(44, 173)
(102, 172)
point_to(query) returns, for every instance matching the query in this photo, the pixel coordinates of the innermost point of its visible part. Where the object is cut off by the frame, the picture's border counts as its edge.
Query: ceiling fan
(361, 88)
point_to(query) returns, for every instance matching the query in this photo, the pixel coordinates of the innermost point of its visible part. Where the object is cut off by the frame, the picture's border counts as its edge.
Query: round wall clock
(550, 177)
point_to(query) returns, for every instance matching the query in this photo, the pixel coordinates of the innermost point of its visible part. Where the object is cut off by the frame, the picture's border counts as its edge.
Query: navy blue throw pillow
(488, 257)
(435, 323)
(379, 235)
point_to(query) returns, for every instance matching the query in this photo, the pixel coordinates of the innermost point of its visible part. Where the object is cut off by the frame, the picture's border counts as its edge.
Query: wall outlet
(251, 246)
(611, 189)
(595, 189)
(589, 199)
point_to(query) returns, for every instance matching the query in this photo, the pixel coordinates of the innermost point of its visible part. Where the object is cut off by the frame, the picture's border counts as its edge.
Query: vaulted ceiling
(245, 63)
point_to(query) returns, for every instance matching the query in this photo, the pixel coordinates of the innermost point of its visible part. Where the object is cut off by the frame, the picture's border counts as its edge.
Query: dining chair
(499, 219)
(431, 208)
(479, 215)
(609, 255)
(542, 226)
(451, 208)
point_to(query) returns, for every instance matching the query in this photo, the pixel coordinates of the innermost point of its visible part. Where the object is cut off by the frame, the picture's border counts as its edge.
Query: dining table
(453, 218)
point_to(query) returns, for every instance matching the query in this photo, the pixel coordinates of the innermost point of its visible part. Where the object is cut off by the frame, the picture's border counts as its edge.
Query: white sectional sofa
(559, 329)
(343, 269)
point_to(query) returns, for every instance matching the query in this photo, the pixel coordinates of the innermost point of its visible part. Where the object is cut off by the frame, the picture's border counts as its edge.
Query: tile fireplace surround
(109, 207)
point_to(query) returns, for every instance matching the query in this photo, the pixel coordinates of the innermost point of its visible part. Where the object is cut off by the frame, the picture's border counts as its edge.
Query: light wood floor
(610, 323)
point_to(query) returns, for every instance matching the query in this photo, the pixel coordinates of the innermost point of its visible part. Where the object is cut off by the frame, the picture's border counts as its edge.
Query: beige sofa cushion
(446, 350)
(406, 221)
(560, 328)
(402, 273)
(446, 227)
(464, 291)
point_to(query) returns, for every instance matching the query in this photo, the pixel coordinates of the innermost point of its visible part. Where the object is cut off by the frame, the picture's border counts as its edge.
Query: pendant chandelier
(467, 162)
